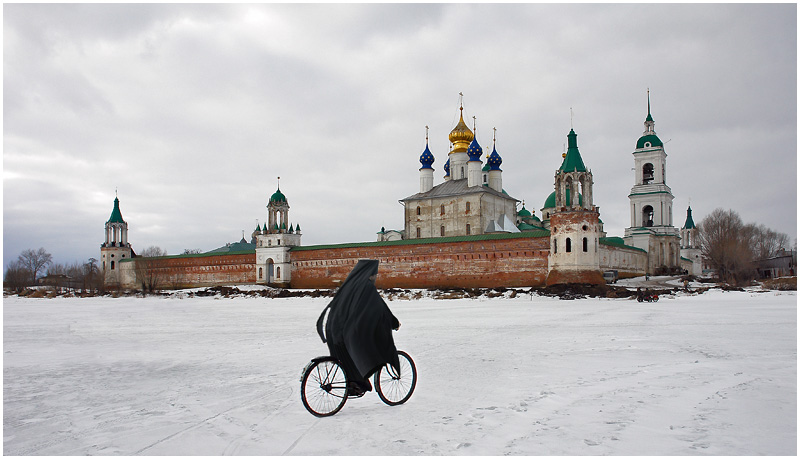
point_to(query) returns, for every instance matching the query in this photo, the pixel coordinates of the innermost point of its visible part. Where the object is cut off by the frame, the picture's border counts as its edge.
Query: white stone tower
(426, 171)
(690, 244)
(115, 248)
(574, 224)
(651, 202)
(474, 164)
(273, 245)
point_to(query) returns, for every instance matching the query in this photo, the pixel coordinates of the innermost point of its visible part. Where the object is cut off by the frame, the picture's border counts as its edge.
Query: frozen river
(712, 374)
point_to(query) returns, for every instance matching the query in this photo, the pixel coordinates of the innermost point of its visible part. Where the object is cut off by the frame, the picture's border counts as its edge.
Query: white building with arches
(651, 199)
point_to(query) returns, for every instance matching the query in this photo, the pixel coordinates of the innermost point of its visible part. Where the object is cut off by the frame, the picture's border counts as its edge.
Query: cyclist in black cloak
(359, 327)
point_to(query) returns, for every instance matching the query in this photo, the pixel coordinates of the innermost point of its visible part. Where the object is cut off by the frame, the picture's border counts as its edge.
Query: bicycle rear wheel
(394, 388)
(323, 387)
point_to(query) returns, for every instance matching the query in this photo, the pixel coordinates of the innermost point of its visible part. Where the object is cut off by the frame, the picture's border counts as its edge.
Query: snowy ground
(711, 374)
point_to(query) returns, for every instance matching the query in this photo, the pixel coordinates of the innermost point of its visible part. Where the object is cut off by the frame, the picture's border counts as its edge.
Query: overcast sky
(191, 112)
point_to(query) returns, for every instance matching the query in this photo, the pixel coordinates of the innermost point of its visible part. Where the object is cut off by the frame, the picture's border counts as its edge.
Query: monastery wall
(186, 271)
(504, 260)
(628, 261)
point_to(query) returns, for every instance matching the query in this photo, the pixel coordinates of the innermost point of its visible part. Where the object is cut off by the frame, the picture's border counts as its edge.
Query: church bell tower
(273, 244)
(574, 224)
(651, 202)
(115, 249)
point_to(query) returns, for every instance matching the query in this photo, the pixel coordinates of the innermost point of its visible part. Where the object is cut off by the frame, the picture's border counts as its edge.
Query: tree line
(733, 248)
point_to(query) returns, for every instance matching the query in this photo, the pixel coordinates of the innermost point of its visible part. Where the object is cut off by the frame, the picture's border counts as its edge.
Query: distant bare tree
(91, 278)
(34, 261)
(146, 269)
(767, 243)
(192, 251)
(17, 277)
(726, 244)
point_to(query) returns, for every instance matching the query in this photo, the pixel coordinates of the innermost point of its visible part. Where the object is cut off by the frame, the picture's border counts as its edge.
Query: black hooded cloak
(360, 324)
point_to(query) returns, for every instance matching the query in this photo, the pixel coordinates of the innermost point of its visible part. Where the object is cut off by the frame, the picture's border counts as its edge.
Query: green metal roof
(573, 161)
(551, 200)
(616, 241)
(652, 138)
(689, 220)
(433, 240)
(278, 197)
(116, 215)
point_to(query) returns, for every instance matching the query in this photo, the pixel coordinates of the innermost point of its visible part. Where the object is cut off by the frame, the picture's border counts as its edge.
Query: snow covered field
(712, 374)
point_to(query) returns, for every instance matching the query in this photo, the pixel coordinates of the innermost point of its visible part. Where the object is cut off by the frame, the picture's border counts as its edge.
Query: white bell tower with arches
(652, 227)
(274, 243)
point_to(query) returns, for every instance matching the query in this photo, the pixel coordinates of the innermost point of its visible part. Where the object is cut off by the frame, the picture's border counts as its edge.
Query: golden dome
(461, 135)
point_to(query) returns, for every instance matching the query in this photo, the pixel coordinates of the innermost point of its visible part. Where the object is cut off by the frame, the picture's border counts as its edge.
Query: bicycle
(323, 384)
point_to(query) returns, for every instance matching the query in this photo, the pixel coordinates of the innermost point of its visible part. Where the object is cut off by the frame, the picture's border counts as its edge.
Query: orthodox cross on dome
(461, 100)
(494, 137)
(426, 135)
(570, 119)
(474, 124)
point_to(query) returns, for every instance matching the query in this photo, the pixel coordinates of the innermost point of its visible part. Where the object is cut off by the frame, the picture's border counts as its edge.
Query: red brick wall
(203, 271)
(518, 262)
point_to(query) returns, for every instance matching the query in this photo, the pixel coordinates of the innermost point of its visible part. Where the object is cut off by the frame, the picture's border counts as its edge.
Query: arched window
(469, 231)
(569, 245)
(418, 210)
(585, 244)
(555, 245)
(467, 206)
(278, 272)
(441, 230)
(260, 273)
(418, 236)
(112, 264)
(441, 209)
(647, 173)
(647, 216)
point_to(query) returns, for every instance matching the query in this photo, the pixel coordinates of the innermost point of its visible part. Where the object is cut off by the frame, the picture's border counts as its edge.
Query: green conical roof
(573, 161)
(689, 221)
(116, 215)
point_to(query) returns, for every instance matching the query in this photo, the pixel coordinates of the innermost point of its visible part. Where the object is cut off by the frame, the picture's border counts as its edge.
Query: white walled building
(462, 205)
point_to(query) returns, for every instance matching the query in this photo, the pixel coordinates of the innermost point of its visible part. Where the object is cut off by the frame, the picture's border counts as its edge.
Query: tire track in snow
(211, 418)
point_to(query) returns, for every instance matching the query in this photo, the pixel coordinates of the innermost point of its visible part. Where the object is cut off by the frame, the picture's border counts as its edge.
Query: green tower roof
(573, 161)
(551, 200)
(116, 215)
(652, 138)
(277, 197)
(689, 220)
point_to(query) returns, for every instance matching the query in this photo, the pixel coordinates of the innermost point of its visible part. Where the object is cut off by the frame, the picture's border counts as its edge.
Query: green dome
(278, 197)
(551, 200)
(523, 212)
(652, 138)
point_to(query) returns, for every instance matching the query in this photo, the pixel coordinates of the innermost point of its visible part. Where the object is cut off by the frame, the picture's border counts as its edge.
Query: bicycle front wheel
(323, 388)
(395, 388)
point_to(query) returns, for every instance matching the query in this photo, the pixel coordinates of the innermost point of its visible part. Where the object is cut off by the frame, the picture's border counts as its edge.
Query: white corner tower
(273, 244)
(115, 248)
(574, 224)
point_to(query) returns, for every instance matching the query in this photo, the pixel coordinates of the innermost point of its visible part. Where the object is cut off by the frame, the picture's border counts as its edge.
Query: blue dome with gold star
(447, 168)
(474, 151)
(426, 159)
(494, 160)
